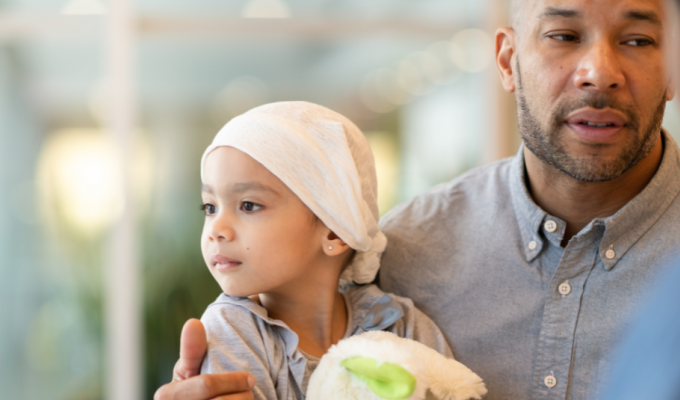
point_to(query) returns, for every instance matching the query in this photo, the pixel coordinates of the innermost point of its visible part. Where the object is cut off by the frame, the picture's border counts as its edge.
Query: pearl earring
(330, 247)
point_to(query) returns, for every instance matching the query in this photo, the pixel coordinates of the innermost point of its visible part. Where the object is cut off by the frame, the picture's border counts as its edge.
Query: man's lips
(591, 125)
(222, 263)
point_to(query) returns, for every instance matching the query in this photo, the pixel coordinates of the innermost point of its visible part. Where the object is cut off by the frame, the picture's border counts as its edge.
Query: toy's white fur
(446, 379)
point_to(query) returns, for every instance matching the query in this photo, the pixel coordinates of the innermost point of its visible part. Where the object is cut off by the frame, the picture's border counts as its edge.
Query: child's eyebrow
(241, 187)
(245, 186)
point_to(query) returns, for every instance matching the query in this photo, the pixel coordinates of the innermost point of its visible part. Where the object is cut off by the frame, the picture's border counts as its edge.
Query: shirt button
(533, 245)
(610, 254)
(550, 381)
(565, 288)
(550, 226)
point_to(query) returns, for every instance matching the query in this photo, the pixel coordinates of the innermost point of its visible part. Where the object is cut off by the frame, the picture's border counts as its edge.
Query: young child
(289, 193)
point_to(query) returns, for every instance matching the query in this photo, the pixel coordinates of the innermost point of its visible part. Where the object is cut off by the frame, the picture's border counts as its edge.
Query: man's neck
(577, 202)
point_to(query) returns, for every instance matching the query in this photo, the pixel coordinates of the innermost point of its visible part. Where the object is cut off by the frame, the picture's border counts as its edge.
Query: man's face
(591, 83)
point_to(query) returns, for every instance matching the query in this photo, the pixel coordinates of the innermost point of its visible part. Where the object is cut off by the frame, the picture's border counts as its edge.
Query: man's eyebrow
(640, 15)
(553, 12)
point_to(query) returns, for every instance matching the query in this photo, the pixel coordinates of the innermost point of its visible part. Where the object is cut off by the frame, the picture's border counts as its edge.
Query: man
(533, 266)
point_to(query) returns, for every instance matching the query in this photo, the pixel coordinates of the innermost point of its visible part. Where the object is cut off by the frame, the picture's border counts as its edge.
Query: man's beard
(548, 145)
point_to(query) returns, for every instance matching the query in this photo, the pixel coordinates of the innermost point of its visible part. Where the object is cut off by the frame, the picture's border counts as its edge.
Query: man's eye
(248, 206)
(565, 38)
(639, 42)
(209, 209)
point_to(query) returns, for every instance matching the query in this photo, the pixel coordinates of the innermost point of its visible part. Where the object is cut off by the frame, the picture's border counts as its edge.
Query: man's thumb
(192, 348)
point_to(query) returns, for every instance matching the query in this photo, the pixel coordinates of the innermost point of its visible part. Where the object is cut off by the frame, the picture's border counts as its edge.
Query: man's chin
(592, 168)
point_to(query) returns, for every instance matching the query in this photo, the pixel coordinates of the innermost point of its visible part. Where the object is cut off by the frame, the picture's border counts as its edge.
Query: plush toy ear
(388, 381)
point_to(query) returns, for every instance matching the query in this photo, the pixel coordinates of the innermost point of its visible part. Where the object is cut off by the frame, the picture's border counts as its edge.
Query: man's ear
(333, 245)
(505, 51)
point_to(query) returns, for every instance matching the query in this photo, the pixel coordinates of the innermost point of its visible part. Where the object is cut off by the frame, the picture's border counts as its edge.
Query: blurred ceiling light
(470, 50)
(371, 97)
(439, 49)
(265, 9)
(80, 180)
(388, 87)
(239, 96)
(84, 7)
(428, 65)
(449, 73)
(409, 78)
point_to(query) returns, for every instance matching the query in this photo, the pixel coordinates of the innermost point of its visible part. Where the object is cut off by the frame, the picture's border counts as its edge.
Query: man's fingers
(209, 386)
(192, 349)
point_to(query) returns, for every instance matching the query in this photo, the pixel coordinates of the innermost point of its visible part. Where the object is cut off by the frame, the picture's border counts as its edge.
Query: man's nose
(221, 228)
(600, 69)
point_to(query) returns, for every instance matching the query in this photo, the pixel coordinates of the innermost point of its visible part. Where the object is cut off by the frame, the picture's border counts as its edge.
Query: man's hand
(193, 344)
(187, 384)
(229, 386)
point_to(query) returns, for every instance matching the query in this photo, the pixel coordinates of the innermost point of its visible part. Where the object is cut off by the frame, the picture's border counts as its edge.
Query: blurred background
(106, 108)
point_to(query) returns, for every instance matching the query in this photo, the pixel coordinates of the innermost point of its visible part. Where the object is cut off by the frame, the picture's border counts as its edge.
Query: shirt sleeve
(237, 341)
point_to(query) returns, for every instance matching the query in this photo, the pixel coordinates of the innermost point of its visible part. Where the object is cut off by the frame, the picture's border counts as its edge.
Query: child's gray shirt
(241, 337)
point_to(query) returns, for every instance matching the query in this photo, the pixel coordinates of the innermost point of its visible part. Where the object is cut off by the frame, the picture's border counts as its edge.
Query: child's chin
(235, 292)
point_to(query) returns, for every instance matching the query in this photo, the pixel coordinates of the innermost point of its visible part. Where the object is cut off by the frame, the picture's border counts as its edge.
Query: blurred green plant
(177, 286)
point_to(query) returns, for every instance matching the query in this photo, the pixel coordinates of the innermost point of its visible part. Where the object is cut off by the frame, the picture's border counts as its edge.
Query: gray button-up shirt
(481, 259)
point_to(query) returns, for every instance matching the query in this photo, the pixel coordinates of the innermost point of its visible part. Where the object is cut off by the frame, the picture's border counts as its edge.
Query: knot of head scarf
(326, 161)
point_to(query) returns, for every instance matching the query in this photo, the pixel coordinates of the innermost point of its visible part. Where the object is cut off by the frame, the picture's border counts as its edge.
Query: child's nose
(222, 230)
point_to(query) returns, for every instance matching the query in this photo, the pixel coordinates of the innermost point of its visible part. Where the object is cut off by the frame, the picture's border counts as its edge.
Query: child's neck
(318, 316)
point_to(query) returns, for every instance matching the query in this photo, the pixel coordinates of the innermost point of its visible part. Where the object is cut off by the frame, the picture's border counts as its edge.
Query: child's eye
(209, 209)
(249, 206)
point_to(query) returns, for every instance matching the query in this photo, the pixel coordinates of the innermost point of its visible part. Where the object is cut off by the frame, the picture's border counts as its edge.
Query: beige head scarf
(326, 161)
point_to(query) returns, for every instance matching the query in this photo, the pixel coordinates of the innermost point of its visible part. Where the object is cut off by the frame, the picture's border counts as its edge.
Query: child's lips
(223, 263)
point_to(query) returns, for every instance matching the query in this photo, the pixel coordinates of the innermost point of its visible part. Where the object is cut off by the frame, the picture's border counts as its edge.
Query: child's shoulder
(241, 328)
(240, 317)
(241, 337)
(233, 309)
(373, 309)
(370, 295)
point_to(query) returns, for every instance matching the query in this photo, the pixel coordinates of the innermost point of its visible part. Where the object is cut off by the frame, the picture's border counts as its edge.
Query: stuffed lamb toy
(380, 365)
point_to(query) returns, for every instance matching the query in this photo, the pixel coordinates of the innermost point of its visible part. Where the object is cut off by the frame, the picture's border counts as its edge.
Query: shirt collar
(627, 226)
(622, 230)
(296, 361)
(368, 309)
(529, 215)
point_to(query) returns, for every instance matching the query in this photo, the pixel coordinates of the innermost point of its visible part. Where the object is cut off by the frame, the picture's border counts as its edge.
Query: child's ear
(333, 245)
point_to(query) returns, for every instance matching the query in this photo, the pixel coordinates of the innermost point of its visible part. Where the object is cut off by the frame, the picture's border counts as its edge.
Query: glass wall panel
(416, 76)
(51, 235)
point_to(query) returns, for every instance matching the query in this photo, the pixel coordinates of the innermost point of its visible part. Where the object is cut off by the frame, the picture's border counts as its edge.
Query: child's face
(258, 236)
